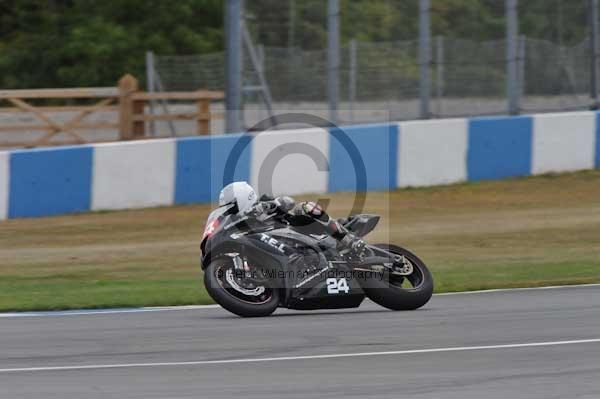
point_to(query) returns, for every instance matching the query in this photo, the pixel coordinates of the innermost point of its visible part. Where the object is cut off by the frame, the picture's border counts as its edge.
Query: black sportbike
(252, 267)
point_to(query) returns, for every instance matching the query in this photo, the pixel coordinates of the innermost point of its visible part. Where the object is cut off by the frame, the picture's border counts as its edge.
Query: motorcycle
(252, 267)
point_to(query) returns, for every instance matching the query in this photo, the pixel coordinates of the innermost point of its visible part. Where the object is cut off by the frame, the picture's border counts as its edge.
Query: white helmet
(240, 193)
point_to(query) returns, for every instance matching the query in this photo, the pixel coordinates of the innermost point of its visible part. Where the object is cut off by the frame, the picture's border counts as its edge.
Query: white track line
(85, 312)
(310, 357)
(106, 311)
(491, 291)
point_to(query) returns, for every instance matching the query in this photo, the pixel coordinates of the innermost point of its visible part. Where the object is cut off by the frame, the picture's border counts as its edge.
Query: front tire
(226, 295)
(390, 294)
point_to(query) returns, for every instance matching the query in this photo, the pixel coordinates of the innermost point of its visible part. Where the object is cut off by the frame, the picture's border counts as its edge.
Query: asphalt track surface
(505, 344)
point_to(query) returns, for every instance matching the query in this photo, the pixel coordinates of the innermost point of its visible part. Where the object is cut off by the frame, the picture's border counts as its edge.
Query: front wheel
(402, 292)
(241, 295)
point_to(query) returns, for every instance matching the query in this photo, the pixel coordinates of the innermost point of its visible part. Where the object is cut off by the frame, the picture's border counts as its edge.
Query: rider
(244, 197)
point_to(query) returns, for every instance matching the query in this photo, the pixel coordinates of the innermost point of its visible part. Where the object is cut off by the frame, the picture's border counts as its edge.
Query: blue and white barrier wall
(138, 174)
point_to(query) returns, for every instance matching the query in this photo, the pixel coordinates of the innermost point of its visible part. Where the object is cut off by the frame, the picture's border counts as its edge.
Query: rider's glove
(312, 209)
(284, 204)
(279, 205)
(258, 209)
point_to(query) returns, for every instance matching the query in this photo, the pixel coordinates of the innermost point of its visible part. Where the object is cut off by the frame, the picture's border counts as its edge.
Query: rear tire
(213, 281)
(394, 297)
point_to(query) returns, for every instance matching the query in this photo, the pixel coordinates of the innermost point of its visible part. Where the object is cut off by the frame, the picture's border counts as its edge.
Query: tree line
(68, 43)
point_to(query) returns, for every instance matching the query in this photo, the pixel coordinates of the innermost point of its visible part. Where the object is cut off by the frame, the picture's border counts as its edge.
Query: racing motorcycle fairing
(325, 287)
(315, 278)
(361, 224)
(302, 266)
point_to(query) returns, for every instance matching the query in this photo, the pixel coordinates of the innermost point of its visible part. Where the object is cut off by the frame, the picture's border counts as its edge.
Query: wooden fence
(125, 100)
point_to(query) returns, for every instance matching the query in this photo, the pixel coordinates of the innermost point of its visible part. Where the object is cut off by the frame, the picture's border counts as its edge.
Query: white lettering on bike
(272, 242)
(335, 286)
(311, 277)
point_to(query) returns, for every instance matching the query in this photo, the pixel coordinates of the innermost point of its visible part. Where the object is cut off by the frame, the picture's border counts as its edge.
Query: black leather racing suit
(309, 212)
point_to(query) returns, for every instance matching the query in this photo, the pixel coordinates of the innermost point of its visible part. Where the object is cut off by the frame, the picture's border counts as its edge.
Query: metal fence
(466, 77)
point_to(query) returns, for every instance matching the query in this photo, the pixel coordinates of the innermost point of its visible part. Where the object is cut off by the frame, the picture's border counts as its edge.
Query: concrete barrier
(4, 184)
(374, 146)
(49, 181)
(134, 174)
(202, 162)
(563, 142)
(296, 160)
(432, 152)
(499, 147)
(192, 170)
(597, 140)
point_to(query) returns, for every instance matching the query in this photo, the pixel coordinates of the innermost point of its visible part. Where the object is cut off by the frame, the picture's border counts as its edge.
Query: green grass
(56, 294)
(515, 233)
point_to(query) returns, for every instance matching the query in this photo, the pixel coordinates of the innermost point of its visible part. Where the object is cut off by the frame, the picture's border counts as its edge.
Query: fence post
(595, 49)
(522, 62)
(127, 86)
(333, 58)
(439, 80)
(164, 104)
(233, 90)
(150, 86)
(352, 83)
(139, 124)
(512, 71)
(260, 52)
(203, 106)
(424, 57)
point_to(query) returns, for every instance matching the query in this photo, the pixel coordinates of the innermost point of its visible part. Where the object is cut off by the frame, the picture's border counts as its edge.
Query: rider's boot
(351, 246)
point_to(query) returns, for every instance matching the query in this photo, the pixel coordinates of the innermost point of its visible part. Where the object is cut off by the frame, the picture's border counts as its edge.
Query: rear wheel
(398, 292)
(245, 295)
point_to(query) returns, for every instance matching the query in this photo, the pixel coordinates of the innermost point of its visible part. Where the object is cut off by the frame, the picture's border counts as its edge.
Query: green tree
(64, 43)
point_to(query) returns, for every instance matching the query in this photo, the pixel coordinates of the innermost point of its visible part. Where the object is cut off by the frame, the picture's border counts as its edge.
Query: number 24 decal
(335, 286)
